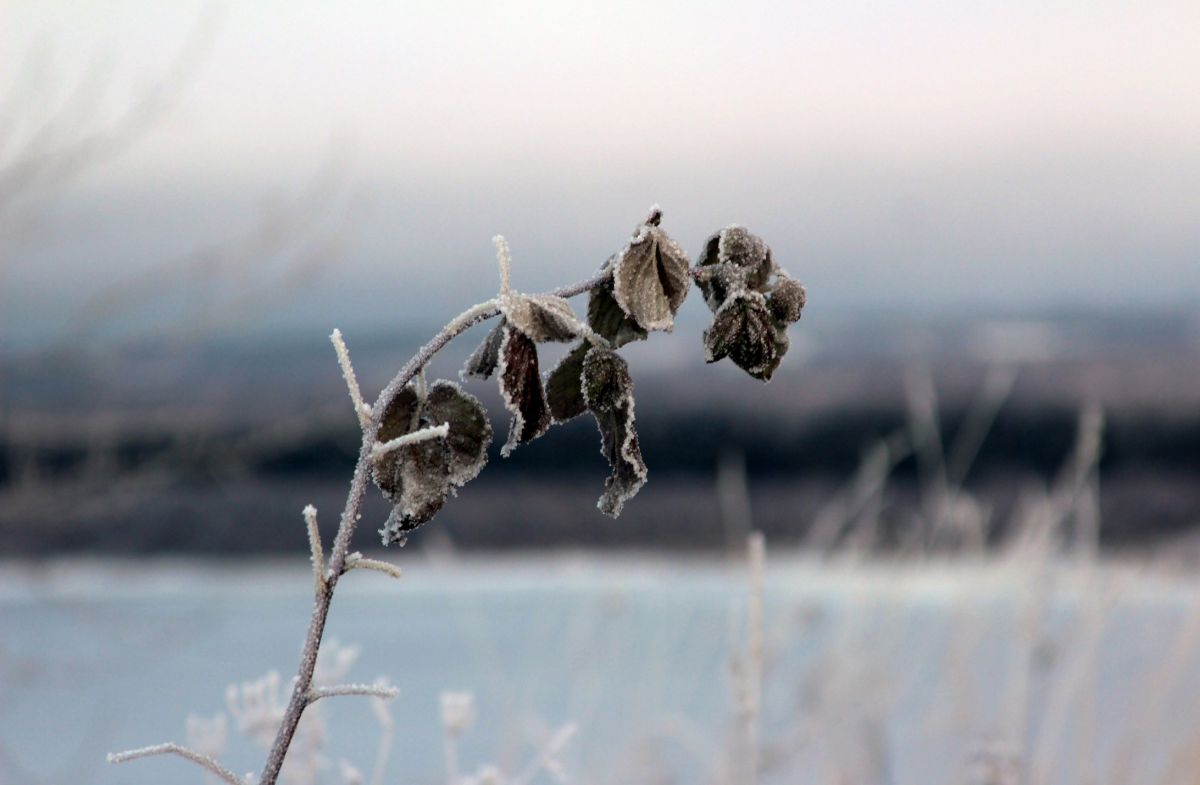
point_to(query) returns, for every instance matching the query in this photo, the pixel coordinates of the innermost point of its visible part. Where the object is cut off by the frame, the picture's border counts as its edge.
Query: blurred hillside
(214, 447)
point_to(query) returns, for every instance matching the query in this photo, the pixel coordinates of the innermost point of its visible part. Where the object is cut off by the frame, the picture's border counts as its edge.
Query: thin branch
(361, 410)
(356, 561)
(548, 756)
(752, 668)
(423, 435)
(174, 749)
(351, 513)
(422, 387)
(504, 259)
(315, 549)
(369, 690)
(387, 732)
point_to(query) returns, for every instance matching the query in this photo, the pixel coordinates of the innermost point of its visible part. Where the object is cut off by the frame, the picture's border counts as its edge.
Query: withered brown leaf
(609, 320)
(786, 300)
(744, 331)
(470, 431)
(564, 386)
(482, 362)
(742, 261)
(418, 478)
(608, 392)
(651, 277)
(521, 387)
(541, 317)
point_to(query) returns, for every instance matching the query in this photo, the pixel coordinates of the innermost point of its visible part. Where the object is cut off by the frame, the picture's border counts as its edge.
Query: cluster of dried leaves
(752, 299)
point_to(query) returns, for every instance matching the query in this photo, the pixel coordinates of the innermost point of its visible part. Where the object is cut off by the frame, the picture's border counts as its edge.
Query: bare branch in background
(62, 147)
(240, 278)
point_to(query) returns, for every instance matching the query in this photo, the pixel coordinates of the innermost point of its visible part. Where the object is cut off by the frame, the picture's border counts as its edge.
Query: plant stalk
(301, 689)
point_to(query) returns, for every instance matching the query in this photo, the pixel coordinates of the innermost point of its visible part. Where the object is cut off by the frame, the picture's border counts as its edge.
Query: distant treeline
(221, 487)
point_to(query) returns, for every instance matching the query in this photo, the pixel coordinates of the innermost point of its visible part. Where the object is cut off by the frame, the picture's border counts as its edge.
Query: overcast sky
(925, 154)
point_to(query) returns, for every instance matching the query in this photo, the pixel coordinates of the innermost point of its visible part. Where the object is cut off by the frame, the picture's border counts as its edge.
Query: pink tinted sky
(933, 152)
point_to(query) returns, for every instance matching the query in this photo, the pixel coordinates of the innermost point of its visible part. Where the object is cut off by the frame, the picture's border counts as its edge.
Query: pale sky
(945, 154)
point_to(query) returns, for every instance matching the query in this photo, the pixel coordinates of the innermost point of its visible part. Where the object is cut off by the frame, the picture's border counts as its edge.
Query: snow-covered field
(1014, 670)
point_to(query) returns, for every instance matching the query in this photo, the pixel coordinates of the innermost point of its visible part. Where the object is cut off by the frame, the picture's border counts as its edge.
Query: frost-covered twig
(504, 260)
(432, 432)
(756, 654)
(547, 758)
(350, 515)
(356, 561)
(361, 409)
(458, 715)
(748, 671)
(640, 294)
(387, 731)
(171, 748)
(370, 690)
(317, 553)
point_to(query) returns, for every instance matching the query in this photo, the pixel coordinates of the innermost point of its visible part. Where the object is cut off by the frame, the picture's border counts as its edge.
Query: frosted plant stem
(315, 549)
(450, 751)
(350, 515)
(756, 651)
(387, 730)
(370, 690)
(504, 260)
(361, 410)
(356, 561)
(433, 432)
(183, 752)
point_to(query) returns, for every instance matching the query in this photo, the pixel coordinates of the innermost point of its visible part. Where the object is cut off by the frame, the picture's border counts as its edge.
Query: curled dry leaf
(752, 299)
(608, 320)
(739, 261)
(786, 300)
(542, 317)
(608, 392)
(482, 362)
(511, 354)
(745, 331)
(564, 386)
(651, 276)
(418, 478)
(470, 431)
(521, 387)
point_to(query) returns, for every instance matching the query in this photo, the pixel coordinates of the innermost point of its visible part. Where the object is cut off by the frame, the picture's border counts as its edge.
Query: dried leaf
(417, 478)
(744, 331)
(543, 317)
(425, 480)
(470, 431)
(521, 387)
(564, 386)
(786, 300)
(401, 416)
(745, 261)
(482, 362)
(609, 320)
(651, 277)
(608, 391)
